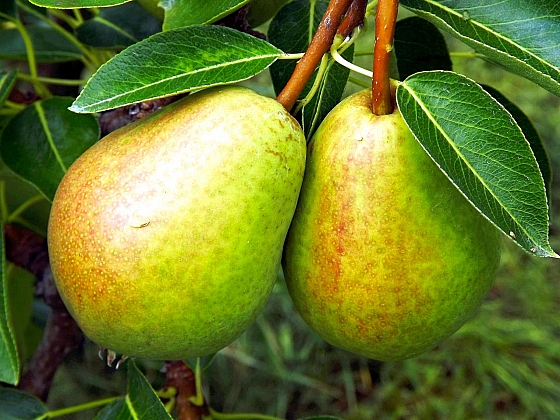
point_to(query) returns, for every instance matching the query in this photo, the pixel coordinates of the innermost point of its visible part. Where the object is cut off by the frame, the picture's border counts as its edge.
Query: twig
(385, 21)
(320, 44)
(62, 335)
(182, 378)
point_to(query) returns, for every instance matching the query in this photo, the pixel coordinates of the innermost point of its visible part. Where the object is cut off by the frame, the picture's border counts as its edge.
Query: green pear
(165, 237)
(384, 257)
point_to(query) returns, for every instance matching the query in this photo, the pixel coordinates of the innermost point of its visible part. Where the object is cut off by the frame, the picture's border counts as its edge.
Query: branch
(320, 44)
(182, 378)
(62, 335)
(385, 21)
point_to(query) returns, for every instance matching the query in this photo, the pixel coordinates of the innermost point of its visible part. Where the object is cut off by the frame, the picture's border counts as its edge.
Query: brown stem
(354, 18)
(179, 376)
(62, 335)
(385, 20)
(320, 44)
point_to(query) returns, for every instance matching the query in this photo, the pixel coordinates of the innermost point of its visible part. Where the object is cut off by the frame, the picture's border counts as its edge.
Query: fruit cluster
(166, 236)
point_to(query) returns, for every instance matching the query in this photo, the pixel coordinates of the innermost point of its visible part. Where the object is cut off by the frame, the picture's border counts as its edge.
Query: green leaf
(291, 30)
(181, 13)
(7, 81)
(9, 359)
(328, 95)
(7, 8)
(173, 62)
(49, 45)
(521, 35)
(118, 27)
(530, 133)
(117, 410)
(419, 46)
(322, 418)
(76, 4)
(262, 10)
(42, 141)
(17, 405)
(482, 150)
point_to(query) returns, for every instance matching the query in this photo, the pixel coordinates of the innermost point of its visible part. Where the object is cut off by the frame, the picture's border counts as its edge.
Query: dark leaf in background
(49, 45)
(419, 46)
(118, 27)
(8, 8)
(174, 62)
(7, 81)
(530, 134)
(291, 30)
(482, 150)
(181, 13)
(521, 35)
(42, 141)
(17, 405)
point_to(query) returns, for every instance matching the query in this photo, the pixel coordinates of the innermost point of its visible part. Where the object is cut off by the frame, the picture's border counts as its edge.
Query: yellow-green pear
(165, 237)
(384, 257)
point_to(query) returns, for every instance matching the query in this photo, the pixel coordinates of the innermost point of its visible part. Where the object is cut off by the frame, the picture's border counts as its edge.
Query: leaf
(173, 62)
(118, 27)
(17, 405)
(329, 94)
(521, 35)
(482, 150)
(181, 13)
(262, 10)
(7, 81)
(117, 410)
(530, 134)
(76, 4)
(291, 30)
(419, 46)
(7, 8)
(9, 359)
(42, 141)
(49, 45)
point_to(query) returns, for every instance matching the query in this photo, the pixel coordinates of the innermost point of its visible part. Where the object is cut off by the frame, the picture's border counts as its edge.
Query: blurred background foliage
(503, 364)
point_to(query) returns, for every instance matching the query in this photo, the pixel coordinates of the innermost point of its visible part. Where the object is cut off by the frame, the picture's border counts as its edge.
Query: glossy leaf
(76, 4)
(17, 405)
(7, 81)
(521, 35)
(173, 62)
(530, 133)
(42, 141)
(181, 13)
(141, 402)
(49, 45)
(482, 150)
(291, 30)
(419, 46)
(118, 27)
(9, 359)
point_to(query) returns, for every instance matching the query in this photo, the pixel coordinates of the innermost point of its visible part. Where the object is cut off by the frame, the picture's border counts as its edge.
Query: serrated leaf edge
(486, 28)
(545, 253)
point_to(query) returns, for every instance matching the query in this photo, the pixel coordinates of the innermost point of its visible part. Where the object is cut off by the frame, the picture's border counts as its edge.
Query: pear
(384, 257)
(165, 237)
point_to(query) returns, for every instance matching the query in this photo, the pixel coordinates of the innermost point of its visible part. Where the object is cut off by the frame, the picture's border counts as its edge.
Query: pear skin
(165, 237)
(384, 257)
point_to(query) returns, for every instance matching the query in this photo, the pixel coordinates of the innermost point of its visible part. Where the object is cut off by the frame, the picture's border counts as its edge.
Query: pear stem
(320, 44)
(354, 18)
(385, 21)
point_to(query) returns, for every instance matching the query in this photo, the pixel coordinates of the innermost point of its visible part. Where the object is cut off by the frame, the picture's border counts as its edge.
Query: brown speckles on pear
(381, 242)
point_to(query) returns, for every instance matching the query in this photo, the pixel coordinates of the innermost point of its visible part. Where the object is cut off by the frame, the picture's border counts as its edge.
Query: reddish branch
(62, 335)
(354, 18)
(320, 44)
(385, 21)
(179, 376)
